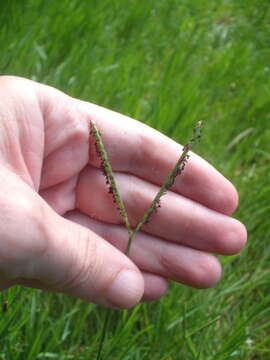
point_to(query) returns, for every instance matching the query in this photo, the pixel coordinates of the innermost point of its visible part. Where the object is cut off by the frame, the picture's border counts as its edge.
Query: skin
(59, 228)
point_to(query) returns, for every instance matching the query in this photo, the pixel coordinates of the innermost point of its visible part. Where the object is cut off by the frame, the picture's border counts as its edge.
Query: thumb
(79, 262)
(41, 249)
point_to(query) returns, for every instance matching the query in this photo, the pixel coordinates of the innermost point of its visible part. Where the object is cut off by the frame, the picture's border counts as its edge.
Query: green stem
(106, 167)
(177, 170)
(103, 333)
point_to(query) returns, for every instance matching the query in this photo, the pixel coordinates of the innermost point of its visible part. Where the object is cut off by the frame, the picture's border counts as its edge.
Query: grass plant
(166, 63)
(110, 180)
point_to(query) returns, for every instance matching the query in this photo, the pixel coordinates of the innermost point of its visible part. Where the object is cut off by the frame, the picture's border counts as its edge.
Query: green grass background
(167, 63)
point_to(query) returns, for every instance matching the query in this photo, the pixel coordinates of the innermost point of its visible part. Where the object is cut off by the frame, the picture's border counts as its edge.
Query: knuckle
(145, 151)
(76, 130)
(190, 218)
(136, 201)
(85, 266)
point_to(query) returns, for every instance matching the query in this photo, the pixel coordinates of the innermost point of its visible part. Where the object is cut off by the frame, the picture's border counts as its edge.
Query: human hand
(59, 227)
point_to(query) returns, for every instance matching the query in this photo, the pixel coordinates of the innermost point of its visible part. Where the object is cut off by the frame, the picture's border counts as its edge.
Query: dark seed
(4, 307)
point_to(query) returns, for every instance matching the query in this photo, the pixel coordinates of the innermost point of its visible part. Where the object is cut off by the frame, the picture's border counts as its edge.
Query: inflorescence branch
(110, 181)
(107, 170)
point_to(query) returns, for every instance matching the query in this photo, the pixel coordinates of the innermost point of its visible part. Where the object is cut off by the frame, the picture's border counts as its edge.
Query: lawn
(167, 63)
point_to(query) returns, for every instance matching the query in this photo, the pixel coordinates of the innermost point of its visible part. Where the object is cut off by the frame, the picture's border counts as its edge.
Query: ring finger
(179, 220)
(156, 256)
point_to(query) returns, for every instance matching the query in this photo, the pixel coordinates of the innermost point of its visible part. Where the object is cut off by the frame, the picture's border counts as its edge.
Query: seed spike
(107, 170)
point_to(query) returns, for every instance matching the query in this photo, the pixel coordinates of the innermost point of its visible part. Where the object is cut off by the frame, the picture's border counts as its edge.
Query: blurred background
(167, 63)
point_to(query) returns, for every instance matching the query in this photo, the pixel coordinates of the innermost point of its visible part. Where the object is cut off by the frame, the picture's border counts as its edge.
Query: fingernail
(126, 290)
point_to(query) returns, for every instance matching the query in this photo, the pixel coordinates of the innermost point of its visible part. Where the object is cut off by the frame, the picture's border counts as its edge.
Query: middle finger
(179, 219)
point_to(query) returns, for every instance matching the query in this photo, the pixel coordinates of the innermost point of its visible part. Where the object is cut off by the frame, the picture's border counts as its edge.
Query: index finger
(140, 150)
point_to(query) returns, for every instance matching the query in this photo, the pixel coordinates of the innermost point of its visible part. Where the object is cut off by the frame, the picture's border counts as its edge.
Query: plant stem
(177, 170)
(103, 333)
(107, 169)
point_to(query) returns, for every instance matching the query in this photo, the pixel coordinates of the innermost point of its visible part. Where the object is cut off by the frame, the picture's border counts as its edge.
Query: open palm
(60, 229)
